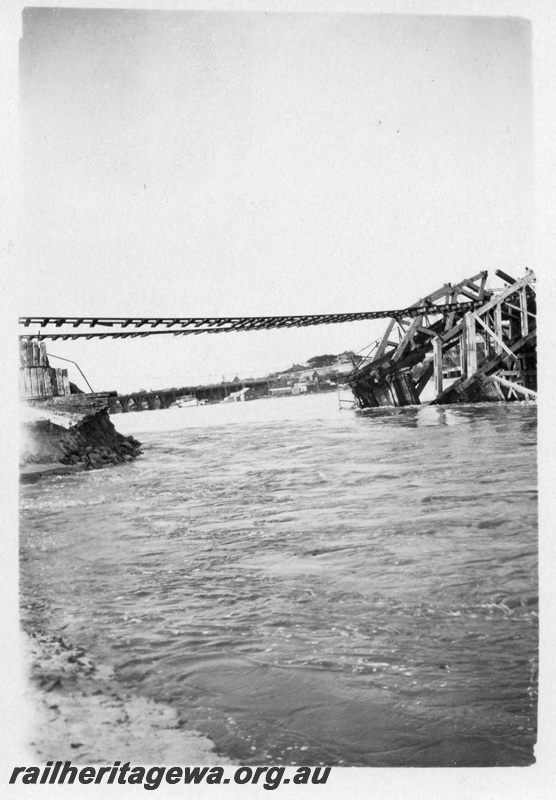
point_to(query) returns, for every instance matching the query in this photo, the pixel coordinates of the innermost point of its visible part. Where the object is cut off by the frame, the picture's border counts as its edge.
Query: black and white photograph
(276, 342)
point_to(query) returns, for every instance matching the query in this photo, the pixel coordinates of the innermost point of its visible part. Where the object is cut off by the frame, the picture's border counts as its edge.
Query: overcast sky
(231, 163)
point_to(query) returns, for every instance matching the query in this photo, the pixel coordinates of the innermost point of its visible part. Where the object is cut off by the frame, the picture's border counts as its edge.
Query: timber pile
(36, 377)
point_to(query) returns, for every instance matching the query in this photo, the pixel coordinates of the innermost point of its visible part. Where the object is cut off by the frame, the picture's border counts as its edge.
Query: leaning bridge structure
(486, 339)
(488, 352)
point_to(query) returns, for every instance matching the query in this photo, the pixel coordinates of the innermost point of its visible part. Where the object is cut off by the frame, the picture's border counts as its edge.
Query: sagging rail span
(184, 326)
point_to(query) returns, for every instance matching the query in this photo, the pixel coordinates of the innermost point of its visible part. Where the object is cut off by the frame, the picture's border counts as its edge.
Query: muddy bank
(81, 713)
(70, 434)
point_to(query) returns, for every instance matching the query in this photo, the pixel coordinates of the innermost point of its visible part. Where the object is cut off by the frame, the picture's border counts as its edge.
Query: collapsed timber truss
(490, 349)
(477, 344)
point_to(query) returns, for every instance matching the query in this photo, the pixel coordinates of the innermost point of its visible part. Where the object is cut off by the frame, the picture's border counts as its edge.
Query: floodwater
(308, 585)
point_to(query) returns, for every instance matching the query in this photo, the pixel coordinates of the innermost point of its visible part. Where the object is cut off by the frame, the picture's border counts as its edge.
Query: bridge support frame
(496, 344)
(407, 342)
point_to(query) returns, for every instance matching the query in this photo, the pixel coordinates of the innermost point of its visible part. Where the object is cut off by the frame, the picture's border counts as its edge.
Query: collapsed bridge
(490, 349)
(477, 344)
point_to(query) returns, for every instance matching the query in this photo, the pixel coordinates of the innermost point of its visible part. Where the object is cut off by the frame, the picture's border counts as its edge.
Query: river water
(309, 585)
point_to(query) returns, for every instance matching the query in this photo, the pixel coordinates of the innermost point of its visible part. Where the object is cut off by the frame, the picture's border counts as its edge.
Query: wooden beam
(481, 290)
(491, 333)
(427, 331)
(489, 366)
(508, 292)
(471, 343)
(384, 342)
(437, 356)
(498, 327)
(523, 310)
(516, 387)
(406, 338)
(519, 310)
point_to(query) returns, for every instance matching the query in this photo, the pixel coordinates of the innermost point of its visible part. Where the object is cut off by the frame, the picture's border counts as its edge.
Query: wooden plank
(498, 327)
(27, 382)
(32, 383)
(523, 309)
(24, 348)
(46, 387)
(33, 387)
(59, 384)
(43, 357)
(65, 382)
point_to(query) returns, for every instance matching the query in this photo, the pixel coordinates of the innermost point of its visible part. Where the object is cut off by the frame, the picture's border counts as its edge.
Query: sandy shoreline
(78, 710)
(81, 713)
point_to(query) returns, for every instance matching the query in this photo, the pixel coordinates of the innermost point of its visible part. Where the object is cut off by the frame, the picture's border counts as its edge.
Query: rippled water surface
(309, 585)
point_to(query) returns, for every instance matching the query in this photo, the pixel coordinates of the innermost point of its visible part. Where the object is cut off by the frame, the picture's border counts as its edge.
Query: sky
(191, 163)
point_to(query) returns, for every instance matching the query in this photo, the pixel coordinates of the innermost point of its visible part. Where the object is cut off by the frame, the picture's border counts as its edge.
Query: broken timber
(491, 349)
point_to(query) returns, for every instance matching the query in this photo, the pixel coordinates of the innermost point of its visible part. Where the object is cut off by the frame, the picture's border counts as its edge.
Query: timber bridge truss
(487, 352)
(486, 339)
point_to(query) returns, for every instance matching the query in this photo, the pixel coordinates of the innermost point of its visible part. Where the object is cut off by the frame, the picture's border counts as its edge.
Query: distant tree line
(321, 361)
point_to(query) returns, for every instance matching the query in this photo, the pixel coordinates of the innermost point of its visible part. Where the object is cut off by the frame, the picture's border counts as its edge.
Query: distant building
(237, 397)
